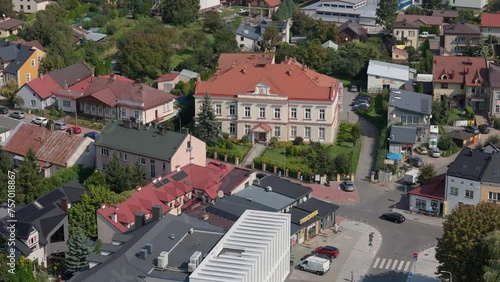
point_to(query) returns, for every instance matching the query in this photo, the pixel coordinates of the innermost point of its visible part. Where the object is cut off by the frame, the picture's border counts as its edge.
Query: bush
(229, 145)
(445, 142)
(496, 123)
(111, 29)
(54, 112)
(273, 142)
(295, 151)
(245, 139)
(225, 135)
(293, 169)
(299, 140)
(231, 154)
(470, 112)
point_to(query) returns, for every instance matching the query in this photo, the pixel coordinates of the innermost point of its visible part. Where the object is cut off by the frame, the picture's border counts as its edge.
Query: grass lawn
(243, 149)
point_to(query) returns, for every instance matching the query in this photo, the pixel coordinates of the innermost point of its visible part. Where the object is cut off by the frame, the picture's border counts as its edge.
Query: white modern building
(468, 4)
(255, 249)
(382, 75)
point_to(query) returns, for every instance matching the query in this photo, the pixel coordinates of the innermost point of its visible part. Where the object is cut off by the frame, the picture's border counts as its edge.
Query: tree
(427, 172)
(491, 246)
(420, 87)
(47, 23)
(7, 8)
(136, 174)
(29, 178)
(180, 12)
(285, 10)
(355, 132)
(493, 139)
(466, 15)
(61, 51)
(459, 249)
(319, 159)
(9, 90)
(342, 164)
(97, 178)
(325, 31)
(302, 23)
(412, 53)
(5, 166)
(431, 4)
(225, 43)
(414, 10)
(78, 251)
(270, 38)
(23, 271)
(212, 21)
(492, 6)
(387, 12)
(208, 129)
(444, 142)
(141, 8)
(117, 175)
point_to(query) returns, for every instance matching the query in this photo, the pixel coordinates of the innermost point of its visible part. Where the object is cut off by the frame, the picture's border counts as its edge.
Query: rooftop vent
(143, 254)
(269, 189)
(149, 247)
(162, 261)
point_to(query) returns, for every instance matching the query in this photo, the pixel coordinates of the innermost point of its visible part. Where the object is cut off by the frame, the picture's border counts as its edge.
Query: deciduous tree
(491, 245)
(444, 142)
(432, 4)
(494, 139)
(212, 21)
(387, 12)
(302, 23)
(28, 179)
(23, 271)
(492, 6)
(285, 10)
(9, 90)
(270, 38)
(426, 173)
(180, 12)
(5, 166)
(342, 164)
(319, 159)
(355, 132)
(7, 8)
(78, 251)
(225, 41)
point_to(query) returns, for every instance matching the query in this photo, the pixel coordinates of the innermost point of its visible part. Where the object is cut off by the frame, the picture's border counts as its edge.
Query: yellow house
(490, 181)
(20, 62)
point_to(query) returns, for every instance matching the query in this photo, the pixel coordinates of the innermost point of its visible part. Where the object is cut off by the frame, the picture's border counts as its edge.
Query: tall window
(33, 103)
(66, 103)
(28, 77)
(247, 112)
(497, 108)
(293, 131)
(136, 114)
(33, 62)
(104, 152)
(321, 133)
(277, 131)
(232, 110)
(307, 114)
(454, 191)
(232, 128)
(247, 129)
(469, 194)
(124, 112)
(218, 109)
(262, 112)
(307, 132)
(493, 196)
(293, 113)
(277, 113)
(497, 95)
(143, 161)
(321, 114)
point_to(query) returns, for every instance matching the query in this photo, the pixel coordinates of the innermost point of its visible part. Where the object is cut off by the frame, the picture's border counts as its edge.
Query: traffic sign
(414, 259)
(415, 255)
(410, 274)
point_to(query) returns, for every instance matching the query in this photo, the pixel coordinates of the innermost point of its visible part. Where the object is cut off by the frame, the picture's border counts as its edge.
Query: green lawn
(375, 113)
(243, 149)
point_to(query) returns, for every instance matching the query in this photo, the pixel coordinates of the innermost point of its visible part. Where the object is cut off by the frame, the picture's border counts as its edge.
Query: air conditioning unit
(191, 267)
(162, 262)
(195, 258)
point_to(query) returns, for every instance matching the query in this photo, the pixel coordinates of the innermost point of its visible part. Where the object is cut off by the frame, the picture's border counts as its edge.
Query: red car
(220, 165)
(76, 129)
(328, 251)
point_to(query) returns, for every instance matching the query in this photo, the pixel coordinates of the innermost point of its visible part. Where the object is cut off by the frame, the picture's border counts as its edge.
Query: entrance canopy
(261, 127)
(394, 156)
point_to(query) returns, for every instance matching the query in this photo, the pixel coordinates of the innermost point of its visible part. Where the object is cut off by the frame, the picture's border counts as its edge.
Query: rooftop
(494, 75)
(492, 172)
(313, 204)
(364, 12)
(32, 43)
(461, 135)
(355, 27)
(411, 101)
(421, 19)
(265, 197)
(10, 24)
(227, 60)
(232, 207)
(461, 28)
(285, 187)
(8, 122)
(490, 20)
(15, 55)
(249, 31)
(434, 188)
(405, 25)
(389, 70)
(44, 86)
(70, 75)
(469, 164)
(299, 216)
(445, 13)
(471, 71)
(403, 135)
(234, 178)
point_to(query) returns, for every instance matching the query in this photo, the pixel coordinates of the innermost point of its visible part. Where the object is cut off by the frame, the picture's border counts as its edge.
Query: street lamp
(449, 273)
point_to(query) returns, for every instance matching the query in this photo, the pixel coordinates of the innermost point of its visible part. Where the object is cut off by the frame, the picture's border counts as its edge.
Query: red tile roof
(490, 20)
(433, 189)
(49, 146)
(263, 126)
(44, 86)
(427, 20)
(9, 24)
(270, 3)
(168, 77)
(472, 71)
(226, 60)
(292, 80)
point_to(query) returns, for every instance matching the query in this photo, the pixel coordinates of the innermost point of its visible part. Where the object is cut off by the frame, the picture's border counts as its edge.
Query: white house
(249, 37)
(468, 4)
(39, 93)
(382, 75)
(463, 179)
(490, 24)
(209, 4)
(31, 7)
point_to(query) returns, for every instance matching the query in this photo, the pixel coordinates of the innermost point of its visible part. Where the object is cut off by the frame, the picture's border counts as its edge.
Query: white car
(242, 11)
(40, 120)
(435, 152)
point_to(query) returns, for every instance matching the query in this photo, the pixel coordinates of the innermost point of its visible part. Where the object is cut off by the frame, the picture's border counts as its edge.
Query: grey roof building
(409, 108)
(71, 74)
(402, 135)
(492, 172)
(267, 197)
(286, 187)
(232, 207)
(469, 164)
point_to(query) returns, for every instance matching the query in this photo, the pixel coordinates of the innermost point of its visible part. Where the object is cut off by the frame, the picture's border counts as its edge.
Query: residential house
(19, 62)
(406, 32)
(40, 92)
(171, 193)
(459, 37)
(284, 100)
(463, 138)
(229, 60)
(9, 26)
(402, 139)
(490, 180)
(463, 80)
(42, 228)
(449, 16)
(54, 149)
(494, 78)
(463, 179)
(249, 37)
(468, 4)
(115, 96)
(490, 25)
(31, 7)
(349, 31)
(168, 81)
(407, 108)
(399, 55)
(429, 197)
(159, 150)
(330, 44)
(422, 20)
(209, 4)
(263, 8)
(382, 75)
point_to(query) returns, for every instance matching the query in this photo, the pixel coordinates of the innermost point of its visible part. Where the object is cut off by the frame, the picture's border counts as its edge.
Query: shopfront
(307, 224)
(429, 197)
(325, 211)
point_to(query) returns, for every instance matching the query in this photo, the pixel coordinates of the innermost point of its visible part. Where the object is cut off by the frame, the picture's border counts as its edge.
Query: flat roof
(285, 187)
(267, 198)
(231, 180)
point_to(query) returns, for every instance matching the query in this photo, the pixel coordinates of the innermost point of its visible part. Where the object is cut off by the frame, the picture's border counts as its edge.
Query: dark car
(361, 106)
(484, 129)
(416, 162)
(4, 110)
(471, 129)
(394, 217)
(328, 251)
(92, 135)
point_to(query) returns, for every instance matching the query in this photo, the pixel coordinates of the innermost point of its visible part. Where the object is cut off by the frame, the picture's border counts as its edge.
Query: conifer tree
(78, 251)
(208, 129)
(29, 179)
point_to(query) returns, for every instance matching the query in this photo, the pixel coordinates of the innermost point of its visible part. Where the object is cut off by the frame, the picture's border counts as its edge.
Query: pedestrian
(411, 209)
(336, 228)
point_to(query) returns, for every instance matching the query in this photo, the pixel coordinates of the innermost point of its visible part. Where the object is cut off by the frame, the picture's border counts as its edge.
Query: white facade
(33, 101)
(255, 249)
(495, 102)
(30, 7)
(246, 44)
(470, 4)
(493, 31)
(206, 4)
(382, 75)
(461, 191)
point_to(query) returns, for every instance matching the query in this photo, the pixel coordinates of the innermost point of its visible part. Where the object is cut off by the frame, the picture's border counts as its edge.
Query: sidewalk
(256, 151)
(436, 221)
(333, 193)
(426, 267)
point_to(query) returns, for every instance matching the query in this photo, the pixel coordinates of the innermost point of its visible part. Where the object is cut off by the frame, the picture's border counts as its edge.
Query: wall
(105, 230)
(40, 255)
(412, 40)
(204, 4)
(476, 4)
(493, 31)
(4, 136)
(58, 247)
(450, 44)
(243, 185)
(7, 33)
(168, 85)
(494, 102)
(198, 153)
(428, 201)
(30, 68)
(487, 187)
(246, 44)
(375, 83)
(72, 106)
(453, 89)
(462, 185)
(28, 96)
(394, 111)
(84, 155)
(165, 112)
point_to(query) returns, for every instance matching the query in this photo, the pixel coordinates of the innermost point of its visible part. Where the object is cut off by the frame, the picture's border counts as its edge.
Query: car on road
(40, 120)
(92, 135)
(315, 265)
(416, 162)
(347, 186)
(353, 88)
(421, 150)
(394, 217)
(484, 129)
(329, 251)
(17, 114)
(220, 165)
(75, 129)
(472, 129)
(435, 152)
(360, 107)
(4, 110)
(60, 125)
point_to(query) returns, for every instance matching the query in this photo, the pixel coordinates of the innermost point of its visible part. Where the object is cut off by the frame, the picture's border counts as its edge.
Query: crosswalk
(392, 264)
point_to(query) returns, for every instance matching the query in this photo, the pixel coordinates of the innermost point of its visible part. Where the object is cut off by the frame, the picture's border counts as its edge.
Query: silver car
(435, 152)
(347, 186)
(17, 114)
(60, 125)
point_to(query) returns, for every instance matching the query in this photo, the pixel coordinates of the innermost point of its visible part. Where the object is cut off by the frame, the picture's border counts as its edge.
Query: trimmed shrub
(273, 142)
(229, 145)
(245, 139)
(298, 140)
(225, 135)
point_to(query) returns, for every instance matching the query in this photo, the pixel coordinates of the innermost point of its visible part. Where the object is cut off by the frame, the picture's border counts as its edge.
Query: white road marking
(388, 264)
(401, 265)
(382, 263)
(394, 264)
(376, 263)
(407, 266)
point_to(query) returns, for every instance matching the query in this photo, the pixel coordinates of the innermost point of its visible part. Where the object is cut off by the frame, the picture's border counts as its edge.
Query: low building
(477, 5)
(326, 212)
(31, 7)
(463, 138)
(229, 60)
(168, 81)
(236, 180)
(9, 26)
(286, 188)
(19, 62)
(250, 37)
(490, 180)
(262, 8)
(449, 16)
(399, 55)
(406, 32)
(428, 198)
(382, 75)
(42, 227)
(458, 37)
(349, 31)
(305, 225)
(265, 196)
(159, 150)
(490, 25)
(463, 179)
(494, 93)
(254, 249)
(330, 44)
(54, 149)
(422, 20)
(402, 139)
(81, 35)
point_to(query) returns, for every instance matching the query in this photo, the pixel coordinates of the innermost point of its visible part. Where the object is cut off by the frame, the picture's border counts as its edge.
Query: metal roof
(411, 101)
(389, 70)
(469, 164)
(403, 135)
(267, 198)
(249, 31)
(492, 172)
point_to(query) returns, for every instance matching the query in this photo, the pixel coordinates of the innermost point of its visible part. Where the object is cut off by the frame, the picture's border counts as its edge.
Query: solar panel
(179, 176)
(158, 184)
(162, 182)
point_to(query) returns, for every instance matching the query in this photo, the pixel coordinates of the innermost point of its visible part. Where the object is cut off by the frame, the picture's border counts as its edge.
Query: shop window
(421, 204)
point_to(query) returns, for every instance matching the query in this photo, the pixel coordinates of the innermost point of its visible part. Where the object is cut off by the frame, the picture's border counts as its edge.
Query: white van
(315, 264)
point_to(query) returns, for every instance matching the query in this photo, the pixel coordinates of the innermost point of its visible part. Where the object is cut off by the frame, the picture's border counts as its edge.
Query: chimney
(157, 212)
(244, 70)
(114, 217)
(289, 72)
(139, 220)
(452, 72)
(112, 76)
(138, 188)
(138, 80)
(178, 168)
(64, 205)
(65, 84)
(161, 129)
(103, 206)
(234, 64)
(41, 75)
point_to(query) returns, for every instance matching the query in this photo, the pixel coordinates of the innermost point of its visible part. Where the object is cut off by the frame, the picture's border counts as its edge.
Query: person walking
(411, 209)
(336, 228)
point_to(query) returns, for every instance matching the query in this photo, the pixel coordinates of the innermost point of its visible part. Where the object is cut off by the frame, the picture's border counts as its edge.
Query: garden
(231, 147)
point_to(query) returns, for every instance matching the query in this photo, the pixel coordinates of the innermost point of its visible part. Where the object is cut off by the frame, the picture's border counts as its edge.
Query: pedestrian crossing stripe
(392, 264)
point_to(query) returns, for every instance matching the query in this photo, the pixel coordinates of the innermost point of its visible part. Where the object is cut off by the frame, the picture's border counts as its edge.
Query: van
(315, 265)
(60, 125)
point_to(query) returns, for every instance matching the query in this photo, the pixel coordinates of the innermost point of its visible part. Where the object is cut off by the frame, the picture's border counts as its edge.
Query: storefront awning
(394, 156)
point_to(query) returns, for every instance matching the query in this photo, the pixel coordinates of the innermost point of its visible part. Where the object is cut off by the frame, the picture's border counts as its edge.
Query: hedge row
(231, 154)
(293, 169)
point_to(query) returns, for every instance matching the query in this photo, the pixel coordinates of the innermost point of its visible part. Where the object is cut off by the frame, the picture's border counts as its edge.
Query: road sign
(414, 259)
(415, 255)
(410, 274)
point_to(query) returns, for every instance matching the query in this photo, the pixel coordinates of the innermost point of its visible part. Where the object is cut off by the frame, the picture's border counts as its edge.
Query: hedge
(231, 154)
(293, 169)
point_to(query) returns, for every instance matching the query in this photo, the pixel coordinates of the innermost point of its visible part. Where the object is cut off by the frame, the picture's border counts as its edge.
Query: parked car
(484, 129)
(329, 251)
(472, 129)
(364, 96)
(347, 186)
(40, 120)
(92, 135)
(4, 110)
(435, 152)
(17, 114)
(317, 255)
(416, 162)
(75, 129)
(421, 150)
(394, 217)
(360, 107)
(242, 11)
(315, 265)
(360, 101)
(353, 88)
(60, 125)
(221, 165)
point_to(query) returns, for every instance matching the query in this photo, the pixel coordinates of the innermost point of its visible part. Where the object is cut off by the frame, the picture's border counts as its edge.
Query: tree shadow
(395, 276)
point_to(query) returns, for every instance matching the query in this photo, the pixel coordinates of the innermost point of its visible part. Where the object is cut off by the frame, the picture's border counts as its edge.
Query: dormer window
(478, 81)
(262, 89)
(444, 76)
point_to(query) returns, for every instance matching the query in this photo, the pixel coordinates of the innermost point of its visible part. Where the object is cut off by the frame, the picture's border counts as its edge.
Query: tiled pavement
(436, 221)
(332, 193)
